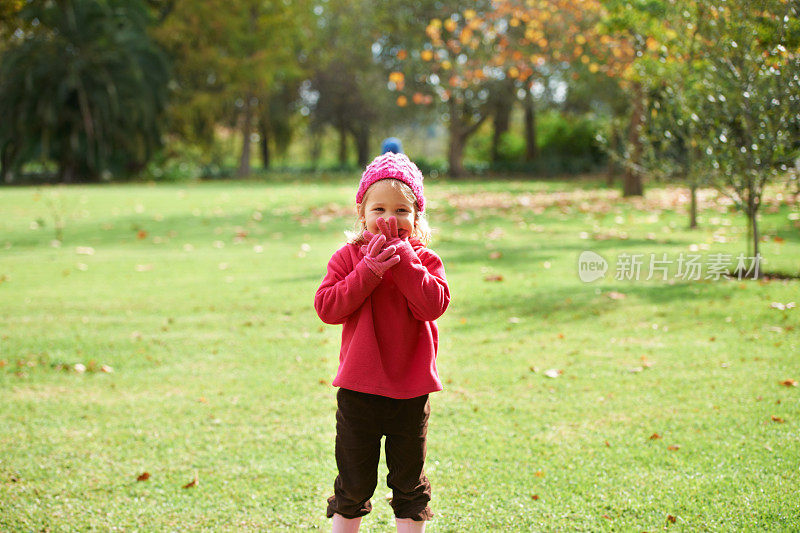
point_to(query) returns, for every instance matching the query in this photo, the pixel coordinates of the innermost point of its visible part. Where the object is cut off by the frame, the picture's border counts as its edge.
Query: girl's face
(383, 200)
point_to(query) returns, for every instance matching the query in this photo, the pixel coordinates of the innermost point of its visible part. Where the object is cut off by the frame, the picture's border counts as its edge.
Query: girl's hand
(388, 228)
(377, 258)
(367, 238)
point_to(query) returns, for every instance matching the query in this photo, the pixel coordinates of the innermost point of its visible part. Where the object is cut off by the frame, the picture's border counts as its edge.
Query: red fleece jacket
(389, 337)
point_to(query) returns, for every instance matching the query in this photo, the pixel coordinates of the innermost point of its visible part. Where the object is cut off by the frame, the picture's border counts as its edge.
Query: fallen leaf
(493, 277)
(495, 255)
(606, 517)
(534, 497)
(107, 369)
(144, 476)
(614, 295)
(553, 372)
(538, 473)
(193, 483)
(671, 519)
(789, 383)
(655, 436)
(608, 445)
(141, 234)
(673, 447)
(777, 419)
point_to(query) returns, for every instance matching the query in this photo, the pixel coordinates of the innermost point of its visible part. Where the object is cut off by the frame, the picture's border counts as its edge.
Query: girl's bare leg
(407, 525)
(345, 525)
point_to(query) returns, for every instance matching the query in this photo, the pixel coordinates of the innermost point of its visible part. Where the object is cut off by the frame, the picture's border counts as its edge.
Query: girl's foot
(407, 525)
(345, 525)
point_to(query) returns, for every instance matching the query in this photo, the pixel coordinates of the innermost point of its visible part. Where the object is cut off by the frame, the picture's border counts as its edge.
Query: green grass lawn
(666, 410)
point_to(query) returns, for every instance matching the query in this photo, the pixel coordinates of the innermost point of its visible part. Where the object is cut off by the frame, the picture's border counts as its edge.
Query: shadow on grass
(180, 228)
(517, 257)
(574, 303)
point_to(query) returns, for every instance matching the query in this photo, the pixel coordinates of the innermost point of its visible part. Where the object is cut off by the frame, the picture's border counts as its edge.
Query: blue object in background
(391, 144)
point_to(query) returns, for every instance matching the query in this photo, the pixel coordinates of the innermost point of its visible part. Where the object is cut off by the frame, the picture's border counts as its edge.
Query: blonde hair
(421, 230)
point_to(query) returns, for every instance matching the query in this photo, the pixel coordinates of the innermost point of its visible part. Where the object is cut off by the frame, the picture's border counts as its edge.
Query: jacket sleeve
(343, 289)
(422, 281)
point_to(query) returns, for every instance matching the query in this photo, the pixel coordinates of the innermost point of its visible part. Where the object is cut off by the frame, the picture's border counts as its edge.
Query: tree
(725, 104)
(444, 70)
(488, 54)
(275, 125)
(347, 78)
(669, 138)
(231, 58)
(750, 106)
(545, 43)
(9, 20)
(84, 87)
(627, 33)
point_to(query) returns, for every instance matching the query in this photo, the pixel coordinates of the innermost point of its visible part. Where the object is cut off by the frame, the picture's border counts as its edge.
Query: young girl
(386, 288)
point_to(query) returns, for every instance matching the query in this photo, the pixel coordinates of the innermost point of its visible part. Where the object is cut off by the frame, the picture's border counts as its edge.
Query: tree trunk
(632, 180)
(342, 147)
(693, 206)
(263, 128)
(501, 121)
(613, 168)
(316, 148)
(531, 151)
(460, 132)
(756, 250)
(751, 211)
(6, 175)
(361, 136)
(247, 128)
(455, 150)
(66, 172)
(752, 214)
(455, 157)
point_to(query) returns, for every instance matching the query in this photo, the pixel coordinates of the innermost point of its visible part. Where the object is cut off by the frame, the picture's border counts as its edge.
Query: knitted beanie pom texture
(397, 166)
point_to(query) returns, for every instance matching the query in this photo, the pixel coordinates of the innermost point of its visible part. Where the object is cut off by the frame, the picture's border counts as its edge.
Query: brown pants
(361, 420)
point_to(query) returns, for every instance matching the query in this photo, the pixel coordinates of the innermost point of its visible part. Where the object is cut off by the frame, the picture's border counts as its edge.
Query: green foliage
(568, 137)
(566, 144)
(84, 87)
(723, 98)
(232, 59)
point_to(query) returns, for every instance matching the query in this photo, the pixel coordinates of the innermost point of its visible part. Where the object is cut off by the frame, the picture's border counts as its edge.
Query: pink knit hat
(397, 166)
